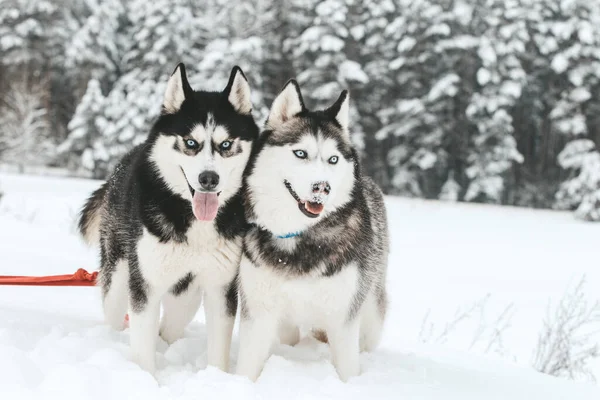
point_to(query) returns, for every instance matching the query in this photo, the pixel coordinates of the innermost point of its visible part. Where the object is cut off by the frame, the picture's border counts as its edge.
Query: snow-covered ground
(53, 343)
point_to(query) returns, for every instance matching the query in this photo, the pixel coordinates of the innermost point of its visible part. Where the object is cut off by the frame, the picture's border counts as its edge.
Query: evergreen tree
(86, 127)
(500, 78)
(324, 57)
(97, 49)
(31, 32)
(32, 38)
(582, 190)
(422, 119)
(26, 138)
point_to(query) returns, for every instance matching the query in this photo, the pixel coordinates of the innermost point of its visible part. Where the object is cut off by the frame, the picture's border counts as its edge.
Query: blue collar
(285, 236)
(288, 235)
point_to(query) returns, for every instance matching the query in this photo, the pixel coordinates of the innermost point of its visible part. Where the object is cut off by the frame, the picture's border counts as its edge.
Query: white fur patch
(210, 257)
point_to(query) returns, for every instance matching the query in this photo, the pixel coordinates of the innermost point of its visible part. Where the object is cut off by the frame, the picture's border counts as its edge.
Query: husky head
(303, 167)
(201, 142)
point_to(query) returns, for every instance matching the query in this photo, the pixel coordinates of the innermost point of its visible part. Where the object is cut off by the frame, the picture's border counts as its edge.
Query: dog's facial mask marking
(206, 154)
(312, 152)
(305, 169)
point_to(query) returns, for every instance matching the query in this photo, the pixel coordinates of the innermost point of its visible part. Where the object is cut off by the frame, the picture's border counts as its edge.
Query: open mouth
(205, 205)
(308, 208)
(193, 191)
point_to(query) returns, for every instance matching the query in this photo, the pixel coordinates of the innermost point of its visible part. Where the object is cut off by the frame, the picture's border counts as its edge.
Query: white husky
(317, 253)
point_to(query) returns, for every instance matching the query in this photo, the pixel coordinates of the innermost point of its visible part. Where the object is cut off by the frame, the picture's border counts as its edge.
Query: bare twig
(569, 338)
(487, 335)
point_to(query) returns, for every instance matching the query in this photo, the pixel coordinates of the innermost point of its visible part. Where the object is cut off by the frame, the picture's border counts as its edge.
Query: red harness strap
(79, 278)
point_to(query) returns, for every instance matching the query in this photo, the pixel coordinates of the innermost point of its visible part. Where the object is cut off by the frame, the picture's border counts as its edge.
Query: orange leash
(79, 278)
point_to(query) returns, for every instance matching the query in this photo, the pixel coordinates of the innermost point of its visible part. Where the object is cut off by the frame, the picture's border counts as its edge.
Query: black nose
(208, 180)
(321, 187)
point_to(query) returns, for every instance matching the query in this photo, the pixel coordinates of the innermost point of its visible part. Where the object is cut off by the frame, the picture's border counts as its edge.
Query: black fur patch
(330, 245)
(138, 288)
(230, 220)
(196, 110)
(231, 294)
(359, 297)
(244, 313)
(183, 284)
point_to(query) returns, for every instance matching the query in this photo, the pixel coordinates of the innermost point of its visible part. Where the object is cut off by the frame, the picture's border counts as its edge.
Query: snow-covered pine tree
(429, 83)
(97, 48)
(32, 38)
(278, 23)
(582, 190)
(94, 58)
(500, 78)
(560, 61)
(25, 138)
(239, 40)
(367, 46)
(319, 53)
(82, 149)
(577, 61)
(31, 32)
(324, 59)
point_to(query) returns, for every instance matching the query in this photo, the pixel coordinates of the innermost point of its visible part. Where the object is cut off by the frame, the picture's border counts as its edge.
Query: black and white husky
(316, 256)
(170, 219)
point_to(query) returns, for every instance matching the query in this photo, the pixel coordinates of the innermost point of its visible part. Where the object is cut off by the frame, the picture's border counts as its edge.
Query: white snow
(351, 71)
(483, 76)
(445, 86)
(406, 44)
(560, 63)
(580, 95)
(54, 345)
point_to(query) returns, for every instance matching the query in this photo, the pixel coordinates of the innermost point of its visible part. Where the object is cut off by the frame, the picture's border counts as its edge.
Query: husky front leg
(344, 344)
(143, 322)
(220, 305)
(256, 337)
(179, 310)
(113, 281)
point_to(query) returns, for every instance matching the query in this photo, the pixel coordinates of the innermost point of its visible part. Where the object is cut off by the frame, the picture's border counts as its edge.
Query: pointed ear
(340, 110)
(238, 91)
(286, 105)
(178, 89)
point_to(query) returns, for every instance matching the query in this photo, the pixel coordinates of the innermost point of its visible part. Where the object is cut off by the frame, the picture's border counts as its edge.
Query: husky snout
(321, 188)
(208, 180)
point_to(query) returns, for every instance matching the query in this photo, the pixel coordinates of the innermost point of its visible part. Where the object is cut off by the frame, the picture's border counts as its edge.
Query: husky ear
(286, 105)
(238, 91)
(178, 89)
(340, 110)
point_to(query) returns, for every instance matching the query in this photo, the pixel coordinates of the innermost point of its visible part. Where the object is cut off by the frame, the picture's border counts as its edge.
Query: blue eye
(226, 145)
(191, 144)
(300, 154)
(333, 160)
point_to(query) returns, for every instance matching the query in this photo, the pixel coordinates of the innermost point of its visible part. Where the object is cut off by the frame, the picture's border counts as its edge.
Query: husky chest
(310, 300)
(210, 257)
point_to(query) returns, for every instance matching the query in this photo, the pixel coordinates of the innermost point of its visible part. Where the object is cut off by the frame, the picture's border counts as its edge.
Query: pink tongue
(205, 206)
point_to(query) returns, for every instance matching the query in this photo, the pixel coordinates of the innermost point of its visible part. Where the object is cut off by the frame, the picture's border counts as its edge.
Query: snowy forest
(490, 101)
